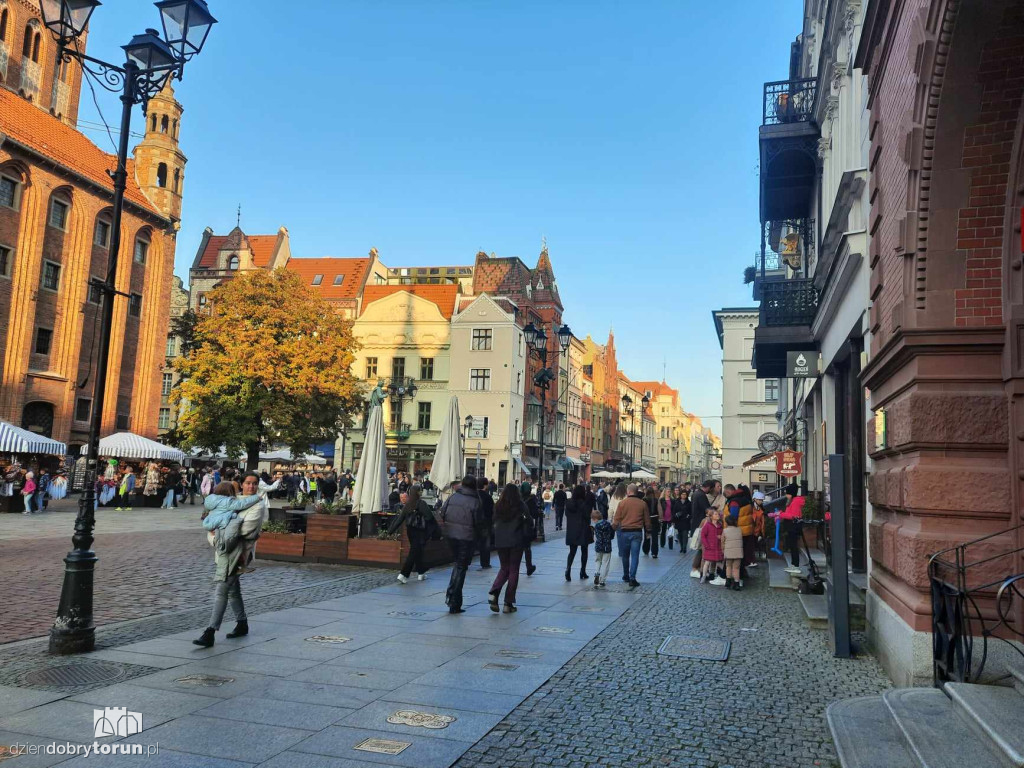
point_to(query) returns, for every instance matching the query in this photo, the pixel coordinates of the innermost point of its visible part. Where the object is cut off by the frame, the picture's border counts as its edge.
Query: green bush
(274, 526)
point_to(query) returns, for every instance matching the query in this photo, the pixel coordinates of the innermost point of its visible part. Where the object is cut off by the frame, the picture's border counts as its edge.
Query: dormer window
(339, 279)
(233, 262)
(317, 279)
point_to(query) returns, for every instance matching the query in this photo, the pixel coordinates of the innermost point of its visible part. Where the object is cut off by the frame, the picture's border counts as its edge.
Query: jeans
(572, 556)
(40, 501)
(463, 551)
(629, 551)
(603, 561)
(28, 501)
(169, 499)
(417, 541)
(559, 517)
(227, 590)
(650, 543)
(508, 574)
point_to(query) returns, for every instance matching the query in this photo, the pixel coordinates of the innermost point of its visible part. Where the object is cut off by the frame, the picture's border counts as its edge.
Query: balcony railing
(3, 60)
(789, 302)
(400, 432)
(61, 98)
(788, 243)
(30, 74)
(789, 101)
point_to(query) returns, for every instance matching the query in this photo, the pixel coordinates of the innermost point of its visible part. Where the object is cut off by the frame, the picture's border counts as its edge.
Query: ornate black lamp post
(629, 410)
(537, 343)
(399, 388)
(149, 62)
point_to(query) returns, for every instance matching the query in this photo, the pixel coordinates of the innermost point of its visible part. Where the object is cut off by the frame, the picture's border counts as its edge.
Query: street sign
(789, 463)
(517, 451)
(802, 365)
(478, 430)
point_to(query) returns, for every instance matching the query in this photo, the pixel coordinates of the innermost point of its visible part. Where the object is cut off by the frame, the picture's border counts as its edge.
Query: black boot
(568, 575)
(241, 629)
(728, 583)
(205, 639)
(583, 575)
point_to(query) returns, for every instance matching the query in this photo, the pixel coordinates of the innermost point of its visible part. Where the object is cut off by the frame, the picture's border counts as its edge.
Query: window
(101, 235)
(8, 192)
(161, 174)
(480, 379)
(123, 422)
(58, 214)
(481, 338)
(339, 279)
(44, 336)
(3, 24)
(5, 261)
(317, 279)
(164, 419)
(371, 367)
(202, 299)
(83, 409)
(51, 276)
(423, 419)
(163, 124)
(398, 368)
(177, 181)
(435, 271)
(30, 47)
(427, 369)
(152, 122)
(233, 262)
(95, 295)
(171, 346)
(141, 250)
(135, 305)
(166, 384)
(771, 390)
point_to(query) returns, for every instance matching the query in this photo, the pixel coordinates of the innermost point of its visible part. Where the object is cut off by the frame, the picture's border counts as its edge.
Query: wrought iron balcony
(400, 432)
(789, 101)
(30, 74)
(788, 302)
(787, 243)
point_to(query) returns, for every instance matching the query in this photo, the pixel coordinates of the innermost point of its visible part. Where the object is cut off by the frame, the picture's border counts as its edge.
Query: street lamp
(537, 340)
(149, 63)
(629, 410)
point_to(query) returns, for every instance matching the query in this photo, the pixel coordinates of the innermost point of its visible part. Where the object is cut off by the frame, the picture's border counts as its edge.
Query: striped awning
(128, 445)
(17, 440)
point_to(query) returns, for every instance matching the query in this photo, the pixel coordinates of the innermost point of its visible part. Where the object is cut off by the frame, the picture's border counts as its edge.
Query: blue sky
(624, 132)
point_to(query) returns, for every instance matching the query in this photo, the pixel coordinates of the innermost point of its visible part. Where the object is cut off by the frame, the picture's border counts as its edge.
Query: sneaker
(794, 570)
(752, 565)
(634, 583)
(118, 509)
(597, 579)
(718, 581)
(402, 578)
(694, 574)
(421, 577)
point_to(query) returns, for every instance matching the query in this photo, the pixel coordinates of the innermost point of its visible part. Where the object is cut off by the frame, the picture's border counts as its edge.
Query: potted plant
(276, 543)
(749, 275)
(328, 531)
(300, 501)
(811, 511)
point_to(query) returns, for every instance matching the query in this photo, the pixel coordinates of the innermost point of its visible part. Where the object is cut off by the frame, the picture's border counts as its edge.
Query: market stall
(150, 461)
(22, 451)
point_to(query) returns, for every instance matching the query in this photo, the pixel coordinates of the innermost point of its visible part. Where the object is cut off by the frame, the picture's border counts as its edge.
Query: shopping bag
(671, 532)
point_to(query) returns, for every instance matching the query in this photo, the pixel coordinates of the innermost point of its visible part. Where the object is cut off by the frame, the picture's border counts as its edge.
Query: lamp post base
(73, 630)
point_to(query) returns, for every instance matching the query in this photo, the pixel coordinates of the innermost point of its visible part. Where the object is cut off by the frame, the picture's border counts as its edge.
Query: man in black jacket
(485, 533)
(558, 502)
(460, 521)
(698, 511)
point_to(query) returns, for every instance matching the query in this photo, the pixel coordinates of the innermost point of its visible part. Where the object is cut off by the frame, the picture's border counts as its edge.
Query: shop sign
(517, 451)
(762, 477)
(827, 481)
(881, 429)
(802, 365)
(789, 463)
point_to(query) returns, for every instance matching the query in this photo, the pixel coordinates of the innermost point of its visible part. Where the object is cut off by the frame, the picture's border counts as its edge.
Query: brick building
(55, 207)
(600, 361)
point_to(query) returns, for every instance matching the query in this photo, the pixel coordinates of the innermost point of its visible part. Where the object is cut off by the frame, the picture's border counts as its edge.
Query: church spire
(159, 161)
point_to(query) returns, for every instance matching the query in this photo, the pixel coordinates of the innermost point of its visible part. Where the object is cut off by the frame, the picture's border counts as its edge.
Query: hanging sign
(802, 365)
(789, 463)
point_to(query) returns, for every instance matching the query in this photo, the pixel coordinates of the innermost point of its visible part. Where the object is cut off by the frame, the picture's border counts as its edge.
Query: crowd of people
(34, 485)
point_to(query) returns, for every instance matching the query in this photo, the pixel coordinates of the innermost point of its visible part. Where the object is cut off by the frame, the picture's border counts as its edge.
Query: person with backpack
(420, 526)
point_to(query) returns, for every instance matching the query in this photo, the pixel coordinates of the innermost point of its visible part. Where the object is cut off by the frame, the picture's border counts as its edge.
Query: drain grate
(75, 675)
(702, 648)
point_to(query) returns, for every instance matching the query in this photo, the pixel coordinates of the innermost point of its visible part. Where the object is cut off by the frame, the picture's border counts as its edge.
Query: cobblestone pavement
(619, 703)
(151, 562)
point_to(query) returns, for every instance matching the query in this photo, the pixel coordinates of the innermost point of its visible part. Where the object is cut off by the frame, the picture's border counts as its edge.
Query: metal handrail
(789, 101)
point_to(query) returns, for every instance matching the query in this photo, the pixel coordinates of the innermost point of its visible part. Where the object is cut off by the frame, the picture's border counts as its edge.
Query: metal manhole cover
(204, 681)
(702, 648)
(75, 675)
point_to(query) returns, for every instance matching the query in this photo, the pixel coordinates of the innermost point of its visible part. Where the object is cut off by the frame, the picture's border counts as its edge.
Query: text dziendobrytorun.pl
(73, 750)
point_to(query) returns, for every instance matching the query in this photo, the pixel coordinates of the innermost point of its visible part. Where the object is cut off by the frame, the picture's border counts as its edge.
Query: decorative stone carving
(420, 719)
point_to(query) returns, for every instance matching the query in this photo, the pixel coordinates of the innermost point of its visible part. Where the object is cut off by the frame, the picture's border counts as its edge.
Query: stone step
(816, 608)
(866, 736)
(994, 713)
(859, 581)
(777, 576)
(933, 733)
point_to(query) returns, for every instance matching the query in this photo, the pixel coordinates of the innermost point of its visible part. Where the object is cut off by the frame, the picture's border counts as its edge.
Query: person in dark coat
(536, 521)
(650, 543)
(485, 534)
(511, 528)
(329, 487)
(681, 511)
(460, 520)
(577, 532)
(558, 501)
(420, 525)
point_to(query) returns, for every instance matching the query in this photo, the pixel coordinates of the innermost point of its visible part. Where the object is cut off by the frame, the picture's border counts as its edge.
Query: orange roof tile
(442, 295)
(262, 247)
(41, 132)
(353, 272)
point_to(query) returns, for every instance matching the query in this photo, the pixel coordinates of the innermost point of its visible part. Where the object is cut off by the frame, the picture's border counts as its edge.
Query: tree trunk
(252, 456)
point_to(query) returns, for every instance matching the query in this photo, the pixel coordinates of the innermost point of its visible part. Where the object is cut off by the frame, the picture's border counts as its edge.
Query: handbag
(671, 532)
(695, 538)
(590, 534)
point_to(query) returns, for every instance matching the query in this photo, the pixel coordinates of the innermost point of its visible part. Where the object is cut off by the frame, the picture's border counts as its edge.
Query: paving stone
(259, 664)
(165, 758)
(465, 725)
(66, 721)
(422, 752)
(25, 744)
(289, 714)
(148, 701)
(377, 679)
(306, 760)
(403, 657)
(145, 659)
(315, 693)
(17, 699)
(170, 680)
(214, 737)
(470, 700)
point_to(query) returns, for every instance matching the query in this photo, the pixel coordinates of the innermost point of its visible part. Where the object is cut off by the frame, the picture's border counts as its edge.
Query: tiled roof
(353, 272)
(41, 132)
(262, 247)
(442, 295)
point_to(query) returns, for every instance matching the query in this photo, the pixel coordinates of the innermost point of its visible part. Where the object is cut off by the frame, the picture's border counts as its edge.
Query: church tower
(159, 161)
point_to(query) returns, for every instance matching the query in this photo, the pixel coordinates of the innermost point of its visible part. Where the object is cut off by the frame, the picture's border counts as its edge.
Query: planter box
(281, 546)
(327, 537)
(437, 552)
(387, 554)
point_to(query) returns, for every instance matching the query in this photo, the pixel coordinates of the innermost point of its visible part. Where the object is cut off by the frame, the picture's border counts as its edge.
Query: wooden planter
(281, 546)
(383, 553)
(327, 537)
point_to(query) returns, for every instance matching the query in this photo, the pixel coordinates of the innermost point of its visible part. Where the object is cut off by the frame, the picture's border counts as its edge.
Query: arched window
(174, 128)
(26, 47)
(3, 24)
(177, 181)
(163, 124)
(233, 262)
(152, 122)
(35, 47)
(161, 175)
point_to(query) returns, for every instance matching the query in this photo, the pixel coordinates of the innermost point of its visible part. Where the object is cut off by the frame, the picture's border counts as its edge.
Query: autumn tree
(270, 362)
